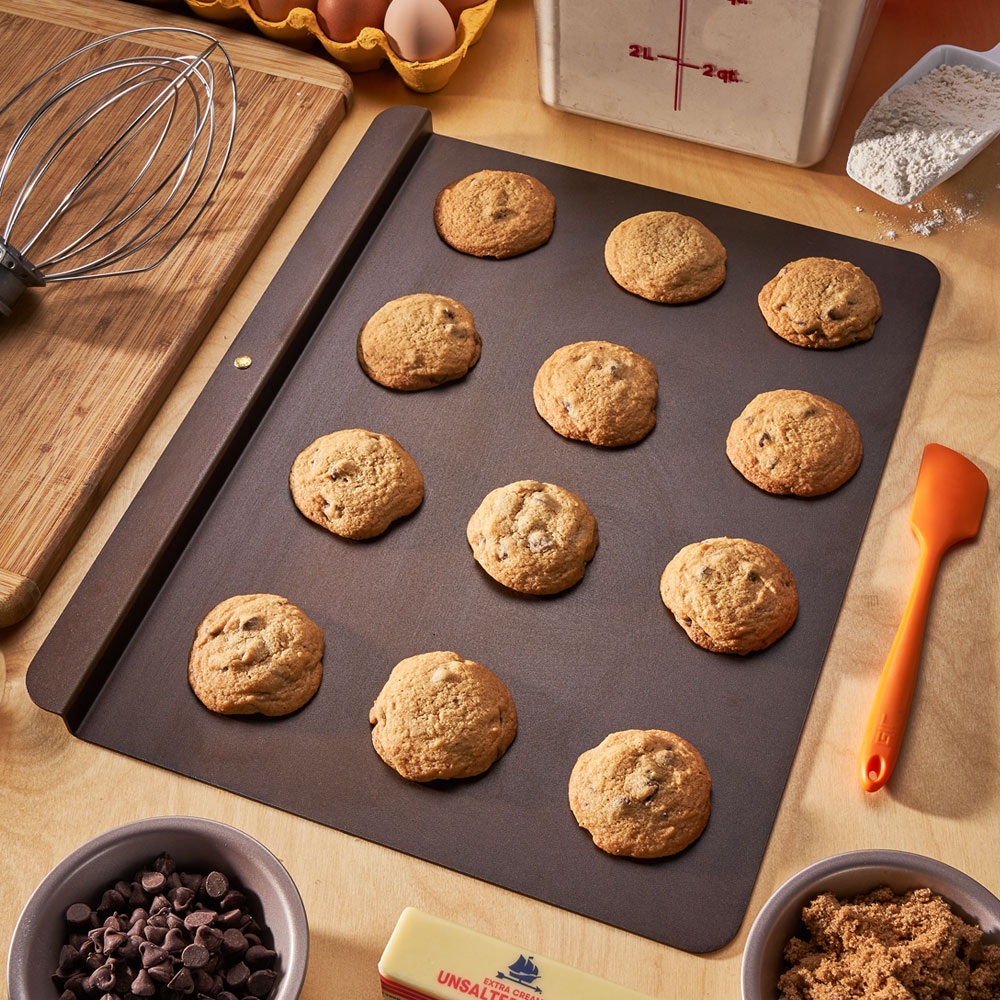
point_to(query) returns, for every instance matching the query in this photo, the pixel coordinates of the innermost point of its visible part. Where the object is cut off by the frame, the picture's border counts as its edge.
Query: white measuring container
(941, 55)
(764, 77)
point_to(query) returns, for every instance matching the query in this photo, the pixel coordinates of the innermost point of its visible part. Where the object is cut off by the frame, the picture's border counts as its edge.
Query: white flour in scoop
(913, 135)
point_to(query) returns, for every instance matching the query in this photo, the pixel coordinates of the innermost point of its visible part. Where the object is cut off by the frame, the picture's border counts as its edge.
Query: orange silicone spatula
(947, 508)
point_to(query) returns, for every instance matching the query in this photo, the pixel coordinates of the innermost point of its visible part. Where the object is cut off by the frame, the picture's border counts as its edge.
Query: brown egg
(455, 7)
(342, 20)
(277, 10)
(419, 30)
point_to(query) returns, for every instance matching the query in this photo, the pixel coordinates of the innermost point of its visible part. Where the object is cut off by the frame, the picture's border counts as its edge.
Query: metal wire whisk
(164, 125)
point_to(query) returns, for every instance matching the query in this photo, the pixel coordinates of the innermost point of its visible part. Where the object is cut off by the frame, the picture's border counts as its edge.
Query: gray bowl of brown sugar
(170, 906)
(855, 898)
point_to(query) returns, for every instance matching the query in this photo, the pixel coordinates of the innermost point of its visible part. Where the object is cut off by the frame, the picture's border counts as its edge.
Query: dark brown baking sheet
(215, 518)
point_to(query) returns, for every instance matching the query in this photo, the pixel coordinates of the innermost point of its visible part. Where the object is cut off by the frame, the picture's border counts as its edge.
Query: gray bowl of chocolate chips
(170, 907)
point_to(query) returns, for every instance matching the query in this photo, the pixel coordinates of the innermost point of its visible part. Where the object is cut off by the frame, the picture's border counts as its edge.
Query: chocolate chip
(238, 975)
(103, 977)
(258, 957)
(142, 985)
(163, 972)
(233, 900)
(209, 938)
(191, 880)
(181, 898)
(78, 915)
(230, 918)
(153, 881)
(260, 982)
(216, 885)
(194, 956)
(233, 942)
(183, 982)
(199, 918)
(164, 863)
(151, 954)
(111, 900)
(154, 934)
(113, 940)
(175, 941)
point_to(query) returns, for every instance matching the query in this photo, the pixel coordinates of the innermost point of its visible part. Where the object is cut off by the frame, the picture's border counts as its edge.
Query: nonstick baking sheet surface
(603, 656)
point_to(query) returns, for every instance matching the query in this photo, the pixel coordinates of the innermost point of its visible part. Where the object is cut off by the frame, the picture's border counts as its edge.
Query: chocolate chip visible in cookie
(533, 537)
(355, 483)
(730, 595)
(256, 653)
(418, 341)
(598, 392)
(641, 793)
(665, 257)
(821, 302)
(792, 441)
(442, 716)
(495, 213)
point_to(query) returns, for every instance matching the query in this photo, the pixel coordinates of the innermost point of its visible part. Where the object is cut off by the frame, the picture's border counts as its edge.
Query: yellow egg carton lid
(368, 51)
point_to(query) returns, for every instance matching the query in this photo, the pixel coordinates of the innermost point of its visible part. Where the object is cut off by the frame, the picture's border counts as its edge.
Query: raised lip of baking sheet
(214, 518)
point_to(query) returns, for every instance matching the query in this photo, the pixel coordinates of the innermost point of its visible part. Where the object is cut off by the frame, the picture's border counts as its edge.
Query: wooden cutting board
(84, 365)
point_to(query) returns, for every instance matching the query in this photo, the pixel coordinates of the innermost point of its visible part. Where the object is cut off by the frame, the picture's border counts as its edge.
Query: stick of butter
(428, 958)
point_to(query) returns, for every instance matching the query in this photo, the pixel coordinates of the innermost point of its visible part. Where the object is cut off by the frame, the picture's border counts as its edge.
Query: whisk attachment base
(16, 274)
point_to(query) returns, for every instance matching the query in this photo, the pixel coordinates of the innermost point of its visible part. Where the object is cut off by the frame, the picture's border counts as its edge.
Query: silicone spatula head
(949, 498)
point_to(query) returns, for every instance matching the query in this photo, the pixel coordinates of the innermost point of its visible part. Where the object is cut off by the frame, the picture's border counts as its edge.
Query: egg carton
(368, 51)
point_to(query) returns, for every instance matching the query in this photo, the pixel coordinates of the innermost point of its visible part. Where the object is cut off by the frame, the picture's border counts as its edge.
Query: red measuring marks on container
(725, 74)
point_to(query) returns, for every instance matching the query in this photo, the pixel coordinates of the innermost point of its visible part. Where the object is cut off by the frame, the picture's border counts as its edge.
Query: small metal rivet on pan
(243, 361)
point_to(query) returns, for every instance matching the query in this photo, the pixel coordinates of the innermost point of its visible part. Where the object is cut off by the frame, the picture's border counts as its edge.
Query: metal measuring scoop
(942, 55)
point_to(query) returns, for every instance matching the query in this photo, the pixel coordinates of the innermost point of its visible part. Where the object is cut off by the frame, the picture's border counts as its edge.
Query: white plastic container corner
(764, 78)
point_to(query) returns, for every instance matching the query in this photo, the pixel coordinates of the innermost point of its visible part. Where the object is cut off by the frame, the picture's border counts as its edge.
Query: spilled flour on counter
(922, 219)
(918, 132)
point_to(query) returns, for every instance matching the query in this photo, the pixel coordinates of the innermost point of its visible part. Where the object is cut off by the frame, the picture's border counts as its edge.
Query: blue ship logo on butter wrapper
(524, 972)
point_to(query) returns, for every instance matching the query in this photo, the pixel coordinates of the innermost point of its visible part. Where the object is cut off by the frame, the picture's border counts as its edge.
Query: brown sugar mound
(884, 946)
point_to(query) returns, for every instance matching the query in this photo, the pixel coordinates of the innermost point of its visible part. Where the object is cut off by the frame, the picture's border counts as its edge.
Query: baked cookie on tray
(418, 341)
(256, 653)
(495, 213)
(821, 302)
(642, 793)
(355, 483)
(442, 716)
(533, 537)
(597, 391)
(730, 595)
(795, 442)
(665, 257)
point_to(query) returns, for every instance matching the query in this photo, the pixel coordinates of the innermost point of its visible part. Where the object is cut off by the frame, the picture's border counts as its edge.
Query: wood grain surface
(85, 364)
(943, 801)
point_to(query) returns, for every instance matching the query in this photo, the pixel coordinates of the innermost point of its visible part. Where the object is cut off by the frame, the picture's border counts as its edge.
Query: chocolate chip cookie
(792, 441)
(821, 302)
(641, 793)
(442, 716)
(730, 595)
(665, 257)
(418, 341)
(355, 483)
(495, 213)
(533, 537)
(598, 392)
(256, 653)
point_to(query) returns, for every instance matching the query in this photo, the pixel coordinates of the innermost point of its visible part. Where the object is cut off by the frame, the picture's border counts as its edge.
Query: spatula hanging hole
(875, 768)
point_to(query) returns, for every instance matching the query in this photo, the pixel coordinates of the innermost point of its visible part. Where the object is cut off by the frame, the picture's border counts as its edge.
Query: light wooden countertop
(944, 800)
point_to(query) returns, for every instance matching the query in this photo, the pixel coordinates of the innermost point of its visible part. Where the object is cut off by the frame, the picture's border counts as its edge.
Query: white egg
(419, 30)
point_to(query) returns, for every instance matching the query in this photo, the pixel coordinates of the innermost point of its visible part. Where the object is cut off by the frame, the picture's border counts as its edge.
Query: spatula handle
(891, 707)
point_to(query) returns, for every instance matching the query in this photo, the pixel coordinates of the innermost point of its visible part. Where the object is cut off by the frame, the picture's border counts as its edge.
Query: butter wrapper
(428, 958)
